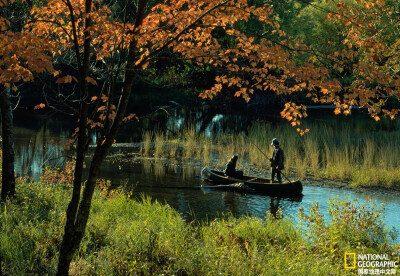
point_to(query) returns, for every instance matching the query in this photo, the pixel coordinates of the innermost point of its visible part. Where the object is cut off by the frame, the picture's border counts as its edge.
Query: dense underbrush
(143, 237)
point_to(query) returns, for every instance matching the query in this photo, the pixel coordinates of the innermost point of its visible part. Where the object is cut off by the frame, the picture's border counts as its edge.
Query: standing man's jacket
(278, 159)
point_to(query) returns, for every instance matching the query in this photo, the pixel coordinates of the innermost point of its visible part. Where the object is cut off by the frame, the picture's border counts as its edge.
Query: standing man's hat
(274, 142)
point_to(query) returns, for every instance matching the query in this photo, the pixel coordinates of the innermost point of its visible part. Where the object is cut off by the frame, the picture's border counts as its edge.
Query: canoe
(219, 178)
(258, 184)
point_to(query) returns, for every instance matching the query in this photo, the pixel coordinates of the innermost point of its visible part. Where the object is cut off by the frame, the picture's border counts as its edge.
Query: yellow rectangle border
(345, 260)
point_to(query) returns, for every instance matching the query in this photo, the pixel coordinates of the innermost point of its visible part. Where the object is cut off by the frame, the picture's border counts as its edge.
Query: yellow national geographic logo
(349, 260)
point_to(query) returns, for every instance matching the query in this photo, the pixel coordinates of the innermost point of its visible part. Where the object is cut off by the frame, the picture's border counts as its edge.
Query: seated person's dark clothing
(231, 172)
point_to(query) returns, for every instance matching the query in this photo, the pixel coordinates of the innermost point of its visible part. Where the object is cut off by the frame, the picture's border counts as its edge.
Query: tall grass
(146, 143)
(342, 150)
(159, 143)
(190, 141)
(312, 151)
(143, 237)
(207, 151)
(173, 148)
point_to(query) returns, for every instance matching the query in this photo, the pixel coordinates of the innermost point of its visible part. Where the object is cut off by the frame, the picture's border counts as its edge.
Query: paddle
(254, 144)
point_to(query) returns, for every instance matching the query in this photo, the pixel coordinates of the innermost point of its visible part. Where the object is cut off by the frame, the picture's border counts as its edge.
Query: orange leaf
(91, 80)
(39, 106)
(144, 66)
(66, 79)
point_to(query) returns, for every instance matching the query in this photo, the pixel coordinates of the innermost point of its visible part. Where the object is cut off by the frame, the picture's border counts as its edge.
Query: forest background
(87, 56)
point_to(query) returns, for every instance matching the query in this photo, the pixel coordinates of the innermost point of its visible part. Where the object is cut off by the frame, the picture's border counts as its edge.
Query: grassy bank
(130, 237)
(358, 153)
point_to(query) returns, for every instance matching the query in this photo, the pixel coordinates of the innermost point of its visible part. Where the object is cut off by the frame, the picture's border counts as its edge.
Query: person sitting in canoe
(230, 168)
(277, 161)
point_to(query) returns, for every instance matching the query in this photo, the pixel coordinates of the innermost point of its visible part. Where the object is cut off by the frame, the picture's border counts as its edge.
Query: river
(41, 143)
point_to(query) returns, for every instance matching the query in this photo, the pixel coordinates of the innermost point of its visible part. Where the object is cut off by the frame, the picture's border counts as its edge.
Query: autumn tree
(108, 49)
(363, 57)
(371, 41)
(21, 55)
(124, 50)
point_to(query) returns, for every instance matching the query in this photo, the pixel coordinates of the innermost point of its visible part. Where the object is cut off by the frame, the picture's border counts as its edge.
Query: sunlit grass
(128, 236)
(190, 141)
(339, 151)
(207, 151)
(172, 146)
(146, 143)
(312, 152)
(159, 143)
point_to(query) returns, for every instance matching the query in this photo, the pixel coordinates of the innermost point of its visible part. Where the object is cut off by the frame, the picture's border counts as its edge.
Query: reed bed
(341, 150)
(146, 143)
(159, 143)
(190, 141)
(207, 151)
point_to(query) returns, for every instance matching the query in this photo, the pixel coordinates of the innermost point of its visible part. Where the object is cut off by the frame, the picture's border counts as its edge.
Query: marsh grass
(146, 143)
(207, 151)
(190, 141)
(312, 151)
(159, 144)
(343, 150)
(173, 148)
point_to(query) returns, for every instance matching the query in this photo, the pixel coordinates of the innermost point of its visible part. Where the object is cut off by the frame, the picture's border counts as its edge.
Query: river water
(41, 143)
(179, 185)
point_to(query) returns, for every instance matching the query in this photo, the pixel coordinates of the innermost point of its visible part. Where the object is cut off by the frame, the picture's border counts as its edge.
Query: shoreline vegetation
(128, 236)
(340, 152)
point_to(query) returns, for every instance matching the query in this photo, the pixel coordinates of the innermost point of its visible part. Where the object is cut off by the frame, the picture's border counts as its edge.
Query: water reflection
(175, 182)
(40, 140)
(274, 206)
(35, 150)
(180, 187)
(159, 169)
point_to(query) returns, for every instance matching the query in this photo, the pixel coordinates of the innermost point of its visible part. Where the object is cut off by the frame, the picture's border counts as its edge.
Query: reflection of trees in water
(146, 165)
(159, 169)
(175, 169)
(188, 172)
(230, 202)
(35, 150)
(274, 206)
(205, 120)
(155, 166)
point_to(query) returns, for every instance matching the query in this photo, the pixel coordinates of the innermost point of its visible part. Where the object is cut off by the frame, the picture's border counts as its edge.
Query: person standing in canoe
(277, 161)
(230, 168)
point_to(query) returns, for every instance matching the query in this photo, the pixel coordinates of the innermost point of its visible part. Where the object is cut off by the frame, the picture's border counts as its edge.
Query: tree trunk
(8, 177)
(78, 217)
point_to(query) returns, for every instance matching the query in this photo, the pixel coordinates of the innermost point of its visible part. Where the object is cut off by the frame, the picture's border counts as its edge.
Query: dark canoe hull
(217, 177)
(258, 184)
(285, 188)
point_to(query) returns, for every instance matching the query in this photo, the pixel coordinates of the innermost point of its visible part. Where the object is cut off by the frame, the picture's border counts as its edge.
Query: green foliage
(353, 226)
(31, 228)
(312, 26)
(143, 237)
(60, 177)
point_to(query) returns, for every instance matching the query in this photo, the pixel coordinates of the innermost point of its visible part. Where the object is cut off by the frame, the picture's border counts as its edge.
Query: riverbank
(144, 237)
(131, 152)
(343, 152)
